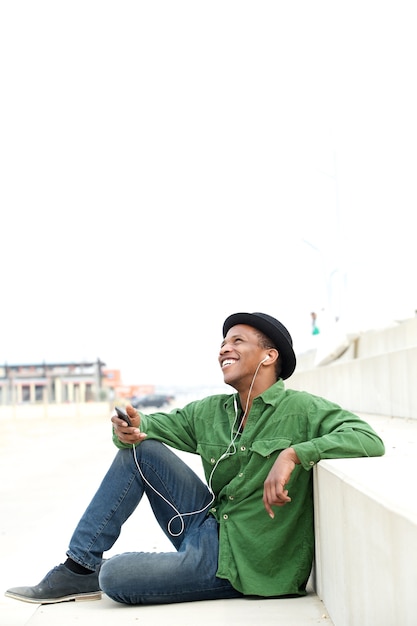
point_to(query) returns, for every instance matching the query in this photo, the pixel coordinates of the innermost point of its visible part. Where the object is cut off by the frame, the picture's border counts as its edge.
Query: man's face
(240, 355)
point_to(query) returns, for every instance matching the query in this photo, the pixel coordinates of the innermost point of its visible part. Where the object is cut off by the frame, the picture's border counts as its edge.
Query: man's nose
(224, 349)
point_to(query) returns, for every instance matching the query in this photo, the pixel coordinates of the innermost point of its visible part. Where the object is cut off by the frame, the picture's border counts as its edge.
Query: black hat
(274, 330)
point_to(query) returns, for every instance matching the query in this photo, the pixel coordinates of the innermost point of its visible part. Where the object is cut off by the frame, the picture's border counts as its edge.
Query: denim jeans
(183, 575)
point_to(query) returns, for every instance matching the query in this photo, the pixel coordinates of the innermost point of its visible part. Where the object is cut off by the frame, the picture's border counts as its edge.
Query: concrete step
(291, 612)
(366, 531)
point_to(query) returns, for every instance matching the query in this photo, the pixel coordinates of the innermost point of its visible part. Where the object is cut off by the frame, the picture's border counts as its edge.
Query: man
(249, 530)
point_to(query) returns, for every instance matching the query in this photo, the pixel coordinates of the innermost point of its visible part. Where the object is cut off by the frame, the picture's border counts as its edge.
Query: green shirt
(257, 554)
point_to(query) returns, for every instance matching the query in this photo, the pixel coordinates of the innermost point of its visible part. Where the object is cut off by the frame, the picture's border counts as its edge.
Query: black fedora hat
(274, 330)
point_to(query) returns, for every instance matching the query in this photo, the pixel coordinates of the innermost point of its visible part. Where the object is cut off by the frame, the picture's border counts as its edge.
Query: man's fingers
(275, 498)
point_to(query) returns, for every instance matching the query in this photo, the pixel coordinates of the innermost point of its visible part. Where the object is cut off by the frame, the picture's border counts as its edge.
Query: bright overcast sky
(165, 164)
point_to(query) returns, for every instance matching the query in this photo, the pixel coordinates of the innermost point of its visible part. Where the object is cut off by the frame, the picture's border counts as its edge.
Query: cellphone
(123, 416)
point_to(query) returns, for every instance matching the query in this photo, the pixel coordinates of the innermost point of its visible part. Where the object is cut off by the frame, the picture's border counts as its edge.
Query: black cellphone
(123, 416)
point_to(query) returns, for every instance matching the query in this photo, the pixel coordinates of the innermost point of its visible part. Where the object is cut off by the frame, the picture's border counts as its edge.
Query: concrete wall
(395, 337)
(366, 540)
(365, 509)
(377, 374)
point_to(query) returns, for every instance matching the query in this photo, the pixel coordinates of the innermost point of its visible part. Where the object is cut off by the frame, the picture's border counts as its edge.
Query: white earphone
(231, 450)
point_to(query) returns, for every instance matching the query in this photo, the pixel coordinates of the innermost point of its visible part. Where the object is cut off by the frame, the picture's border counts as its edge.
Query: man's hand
(275, 493)
(125, 433)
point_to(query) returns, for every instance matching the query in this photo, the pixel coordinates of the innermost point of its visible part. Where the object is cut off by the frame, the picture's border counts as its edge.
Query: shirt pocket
(267, 448)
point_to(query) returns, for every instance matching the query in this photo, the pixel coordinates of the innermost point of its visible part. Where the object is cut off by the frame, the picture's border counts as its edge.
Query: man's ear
(271, 357)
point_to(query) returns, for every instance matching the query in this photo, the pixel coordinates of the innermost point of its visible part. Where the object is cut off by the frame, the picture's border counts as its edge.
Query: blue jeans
(186, 574)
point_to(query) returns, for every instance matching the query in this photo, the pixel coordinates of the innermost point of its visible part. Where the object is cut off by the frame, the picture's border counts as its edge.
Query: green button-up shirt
(257, 554)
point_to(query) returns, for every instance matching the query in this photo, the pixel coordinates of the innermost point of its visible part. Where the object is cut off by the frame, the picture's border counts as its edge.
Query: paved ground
(48, 472)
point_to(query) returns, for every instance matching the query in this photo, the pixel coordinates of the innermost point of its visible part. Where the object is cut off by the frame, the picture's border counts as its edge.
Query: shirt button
(241, 475)
(243, 448)
(311, 462)
(225, 516)
(231, 497)
(212, 461)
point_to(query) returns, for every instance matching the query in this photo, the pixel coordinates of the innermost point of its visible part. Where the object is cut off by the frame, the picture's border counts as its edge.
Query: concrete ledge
(397, 336)
(366, 540)
(245, 612)
(383, 384)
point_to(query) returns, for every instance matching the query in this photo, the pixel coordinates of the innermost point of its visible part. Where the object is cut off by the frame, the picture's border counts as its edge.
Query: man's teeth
(228, 362)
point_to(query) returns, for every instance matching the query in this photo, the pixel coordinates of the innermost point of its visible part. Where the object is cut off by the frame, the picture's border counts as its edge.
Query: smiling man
(247, 530)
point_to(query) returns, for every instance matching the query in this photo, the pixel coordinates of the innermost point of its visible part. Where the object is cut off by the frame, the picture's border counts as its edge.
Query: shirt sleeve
(174, 428)
(337, 433)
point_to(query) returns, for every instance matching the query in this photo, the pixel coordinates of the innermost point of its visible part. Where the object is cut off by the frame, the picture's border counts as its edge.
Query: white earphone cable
(225, 455)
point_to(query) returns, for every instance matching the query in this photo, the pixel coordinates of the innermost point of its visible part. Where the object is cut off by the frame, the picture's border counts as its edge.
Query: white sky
(165, 164)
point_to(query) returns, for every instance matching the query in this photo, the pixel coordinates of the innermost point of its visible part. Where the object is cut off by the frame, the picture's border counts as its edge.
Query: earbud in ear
(266, 358)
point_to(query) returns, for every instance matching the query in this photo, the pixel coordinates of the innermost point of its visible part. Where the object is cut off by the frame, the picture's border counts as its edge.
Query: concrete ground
(49, 470)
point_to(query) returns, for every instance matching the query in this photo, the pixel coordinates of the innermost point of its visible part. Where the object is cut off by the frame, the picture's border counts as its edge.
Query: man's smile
(228, 362)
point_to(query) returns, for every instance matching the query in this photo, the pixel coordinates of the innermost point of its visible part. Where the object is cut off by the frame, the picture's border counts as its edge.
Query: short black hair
(266, 343)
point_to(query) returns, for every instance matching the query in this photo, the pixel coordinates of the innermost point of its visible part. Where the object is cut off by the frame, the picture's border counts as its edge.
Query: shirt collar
(272, 395)
(269, 396)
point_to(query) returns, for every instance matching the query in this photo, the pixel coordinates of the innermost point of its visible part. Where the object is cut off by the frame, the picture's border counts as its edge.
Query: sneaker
(59, 585)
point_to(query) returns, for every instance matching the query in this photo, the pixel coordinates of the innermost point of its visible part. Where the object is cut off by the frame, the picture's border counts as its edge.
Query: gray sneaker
(59, 585)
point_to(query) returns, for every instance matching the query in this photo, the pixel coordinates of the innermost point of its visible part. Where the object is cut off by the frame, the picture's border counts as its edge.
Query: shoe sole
(80, 597)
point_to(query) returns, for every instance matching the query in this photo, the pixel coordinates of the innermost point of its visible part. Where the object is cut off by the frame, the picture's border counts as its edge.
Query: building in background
(112, 381)
(52, 383)
(58, 383)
